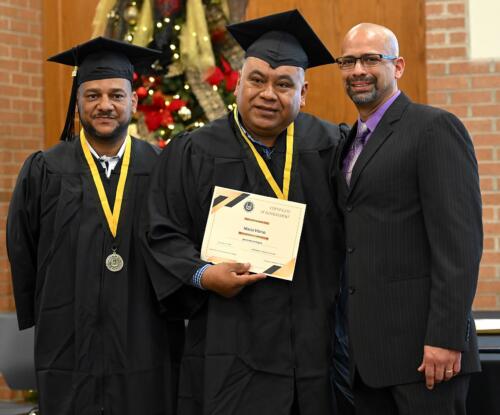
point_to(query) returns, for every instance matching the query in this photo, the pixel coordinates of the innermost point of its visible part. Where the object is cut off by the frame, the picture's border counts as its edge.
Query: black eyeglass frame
(364, 59)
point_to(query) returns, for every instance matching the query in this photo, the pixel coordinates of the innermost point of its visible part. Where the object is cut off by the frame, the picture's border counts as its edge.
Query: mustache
(105, 114)
(363, 78)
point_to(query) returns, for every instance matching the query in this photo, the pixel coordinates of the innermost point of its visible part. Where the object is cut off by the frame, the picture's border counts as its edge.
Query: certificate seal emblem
(114, 262)
(248, 206)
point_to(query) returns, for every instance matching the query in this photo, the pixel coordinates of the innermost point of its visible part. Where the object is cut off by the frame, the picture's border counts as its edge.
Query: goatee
(362, 98)
(119, 132)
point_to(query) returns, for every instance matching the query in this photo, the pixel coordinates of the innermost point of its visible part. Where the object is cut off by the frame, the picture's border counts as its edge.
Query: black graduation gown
(253, 353)
(101, 346)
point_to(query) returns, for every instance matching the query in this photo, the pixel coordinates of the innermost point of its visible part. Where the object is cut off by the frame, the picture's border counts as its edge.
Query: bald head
(372, 34)
(374, 79)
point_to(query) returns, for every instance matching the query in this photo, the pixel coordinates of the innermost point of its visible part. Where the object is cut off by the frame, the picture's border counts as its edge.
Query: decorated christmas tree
(193, 82)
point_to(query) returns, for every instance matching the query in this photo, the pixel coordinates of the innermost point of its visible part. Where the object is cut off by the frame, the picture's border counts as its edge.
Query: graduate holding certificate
(255, 344)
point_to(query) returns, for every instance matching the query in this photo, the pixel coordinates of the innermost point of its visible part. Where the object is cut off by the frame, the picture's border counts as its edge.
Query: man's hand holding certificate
(249, 228)
(229, 278)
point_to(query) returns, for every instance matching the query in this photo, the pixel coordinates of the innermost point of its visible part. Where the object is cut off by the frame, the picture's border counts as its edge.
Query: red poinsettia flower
(216, 76)
(153, 119)
(158, 100)
(230, 75)
(144, 108)
(226, 67)
(166, 118)
(226, 74)
(176, 105)
(231, 81)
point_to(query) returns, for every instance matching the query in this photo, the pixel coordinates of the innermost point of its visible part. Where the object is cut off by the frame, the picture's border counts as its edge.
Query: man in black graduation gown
(254, 345)
(72, 234)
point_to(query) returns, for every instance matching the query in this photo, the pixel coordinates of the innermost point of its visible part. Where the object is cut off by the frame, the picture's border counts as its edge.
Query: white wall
(484, 28)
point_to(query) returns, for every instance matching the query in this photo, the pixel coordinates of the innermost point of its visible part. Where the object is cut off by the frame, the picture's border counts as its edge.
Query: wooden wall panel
(331, 19)
(67, 23)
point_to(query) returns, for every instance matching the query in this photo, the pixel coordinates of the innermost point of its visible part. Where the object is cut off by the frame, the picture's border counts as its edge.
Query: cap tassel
(68, 131)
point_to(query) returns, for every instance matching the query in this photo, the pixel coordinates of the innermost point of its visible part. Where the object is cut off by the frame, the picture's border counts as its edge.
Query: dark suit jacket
(414, 242)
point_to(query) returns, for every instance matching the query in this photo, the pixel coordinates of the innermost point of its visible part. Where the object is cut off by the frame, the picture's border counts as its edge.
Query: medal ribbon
(287, 171)
(111, 217)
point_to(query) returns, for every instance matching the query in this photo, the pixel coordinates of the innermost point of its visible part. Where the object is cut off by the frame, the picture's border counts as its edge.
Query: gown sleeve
(169, 241)
(23, 222)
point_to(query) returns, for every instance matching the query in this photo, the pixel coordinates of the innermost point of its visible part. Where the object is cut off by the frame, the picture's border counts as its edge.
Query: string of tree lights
(193, 82)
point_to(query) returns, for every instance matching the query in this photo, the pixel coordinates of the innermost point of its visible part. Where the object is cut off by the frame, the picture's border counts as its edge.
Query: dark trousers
(447, 398)
(343, 405)
(295, 407)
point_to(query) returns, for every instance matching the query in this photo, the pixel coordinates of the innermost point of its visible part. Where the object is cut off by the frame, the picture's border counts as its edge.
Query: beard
(119, 132)
(362, 98)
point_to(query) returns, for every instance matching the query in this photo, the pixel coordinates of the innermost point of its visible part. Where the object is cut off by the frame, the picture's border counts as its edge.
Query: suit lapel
(378, 137)
(382, 132)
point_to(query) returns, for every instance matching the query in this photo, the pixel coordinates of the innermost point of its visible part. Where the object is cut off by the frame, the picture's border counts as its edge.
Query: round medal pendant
(114, 262)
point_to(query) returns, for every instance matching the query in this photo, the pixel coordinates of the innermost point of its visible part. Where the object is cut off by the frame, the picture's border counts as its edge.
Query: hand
(439, 364)
(228, 279)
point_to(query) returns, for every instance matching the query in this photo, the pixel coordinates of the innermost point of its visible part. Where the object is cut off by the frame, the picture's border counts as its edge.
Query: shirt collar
(375, 118)
(118, 155)
(268, 151)
(108, 163)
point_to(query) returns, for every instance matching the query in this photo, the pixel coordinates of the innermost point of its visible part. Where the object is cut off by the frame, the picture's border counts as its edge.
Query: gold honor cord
(287, 172)
(111, 218)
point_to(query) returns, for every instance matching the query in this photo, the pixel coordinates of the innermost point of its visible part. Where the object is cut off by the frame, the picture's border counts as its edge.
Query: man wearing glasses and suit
(409, 191)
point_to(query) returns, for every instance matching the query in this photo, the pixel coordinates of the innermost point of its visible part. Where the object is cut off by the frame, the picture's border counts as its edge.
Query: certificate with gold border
(246, 227)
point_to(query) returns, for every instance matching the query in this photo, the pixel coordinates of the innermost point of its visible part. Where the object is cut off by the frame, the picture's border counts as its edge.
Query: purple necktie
(355, 150)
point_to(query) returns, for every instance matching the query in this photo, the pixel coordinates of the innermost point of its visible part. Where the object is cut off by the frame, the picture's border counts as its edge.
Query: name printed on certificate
(246, 227)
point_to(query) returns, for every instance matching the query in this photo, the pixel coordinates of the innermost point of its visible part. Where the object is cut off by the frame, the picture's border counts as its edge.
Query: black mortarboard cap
(282, 39)
(100, 58)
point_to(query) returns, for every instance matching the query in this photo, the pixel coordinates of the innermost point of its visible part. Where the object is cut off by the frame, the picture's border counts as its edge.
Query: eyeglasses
(367, 60)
